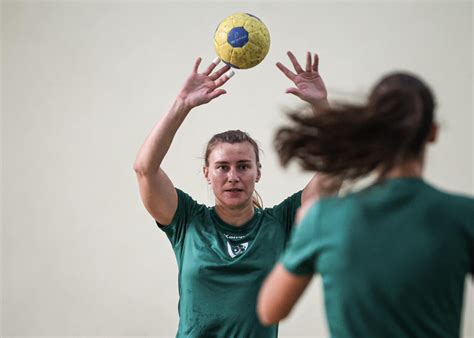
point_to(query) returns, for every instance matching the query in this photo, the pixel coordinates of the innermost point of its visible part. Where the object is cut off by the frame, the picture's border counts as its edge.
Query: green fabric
(221, 267)
(393, 259)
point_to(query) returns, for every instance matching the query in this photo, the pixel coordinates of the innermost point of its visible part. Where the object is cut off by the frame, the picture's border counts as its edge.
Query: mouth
(234, 190)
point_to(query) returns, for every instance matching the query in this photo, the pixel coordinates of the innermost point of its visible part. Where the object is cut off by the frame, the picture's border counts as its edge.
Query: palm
(200, 88)
(196, 89)
(311, 86)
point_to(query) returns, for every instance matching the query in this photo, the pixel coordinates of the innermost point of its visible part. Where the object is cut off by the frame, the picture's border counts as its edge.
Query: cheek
(250, 179)
(216, 178)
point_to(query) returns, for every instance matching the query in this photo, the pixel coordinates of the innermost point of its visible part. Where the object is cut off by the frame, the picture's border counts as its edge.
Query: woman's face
(232, 173)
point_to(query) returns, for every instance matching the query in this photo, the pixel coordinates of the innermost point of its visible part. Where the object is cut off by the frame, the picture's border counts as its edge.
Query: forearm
(159, 140)
(320, 185)
(279, 294)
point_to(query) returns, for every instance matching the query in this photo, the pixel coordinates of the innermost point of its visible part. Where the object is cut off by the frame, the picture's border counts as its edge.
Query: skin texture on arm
(310, 87)
(279, 294)
(156, 189)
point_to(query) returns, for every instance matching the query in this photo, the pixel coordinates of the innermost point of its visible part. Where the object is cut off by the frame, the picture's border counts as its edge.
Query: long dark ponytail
(349, 141)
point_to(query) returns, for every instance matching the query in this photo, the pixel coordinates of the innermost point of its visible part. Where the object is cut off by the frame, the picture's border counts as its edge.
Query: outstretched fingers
(215, 93)
(224, 78)
(211, 67)
(316, 62)
(295, 62)
(308, 62)
(219, 73)
(289, 74)
(196, 65)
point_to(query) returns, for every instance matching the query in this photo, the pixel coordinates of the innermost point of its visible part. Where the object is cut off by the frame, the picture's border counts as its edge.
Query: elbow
(268, 314)
(141, 169)
(266, 319)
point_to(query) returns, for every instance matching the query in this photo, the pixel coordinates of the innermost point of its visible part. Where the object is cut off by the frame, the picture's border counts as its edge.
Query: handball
(242, 40)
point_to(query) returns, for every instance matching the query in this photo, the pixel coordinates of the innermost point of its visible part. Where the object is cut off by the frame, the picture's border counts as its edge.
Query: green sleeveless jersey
(221, 267)
(393, 259)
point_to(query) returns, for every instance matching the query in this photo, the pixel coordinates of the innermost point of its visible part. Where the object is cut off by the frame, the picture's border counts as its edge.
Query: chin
(235, 203)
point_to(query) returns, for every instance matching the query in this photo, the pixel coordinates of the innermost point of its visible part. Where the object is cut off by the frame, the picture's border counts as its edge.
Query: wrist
(181, 107)
(320, 104)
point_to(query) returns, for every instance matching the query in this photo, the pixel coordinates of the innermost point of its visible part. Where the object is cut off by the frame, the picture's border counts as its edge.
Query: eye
(223, 167)
(243, 166)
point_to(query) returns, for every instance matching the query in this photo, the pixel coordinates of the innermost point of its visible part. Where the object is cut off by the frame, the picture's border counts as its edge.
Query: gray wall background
(83, 82)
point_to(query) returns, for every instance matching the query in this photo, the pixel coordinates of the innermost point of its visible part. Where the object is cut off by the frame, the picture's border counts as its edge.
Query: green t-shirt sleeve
(302, 251)
(285, 212)
(469, 202)
(185, 211)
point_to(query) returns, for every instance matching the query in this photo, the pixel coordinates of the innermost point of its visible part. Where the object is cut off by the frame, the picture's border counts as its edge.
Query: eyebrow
(239, 162)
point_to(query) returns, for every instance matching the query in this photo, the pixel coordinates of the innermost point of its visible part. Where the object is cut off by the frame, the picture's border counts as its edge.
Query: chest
(213, 255)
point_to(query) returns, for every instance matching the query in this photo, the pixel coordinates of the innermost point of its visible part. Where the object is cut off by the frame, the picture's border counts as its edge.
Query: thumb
(294, 91)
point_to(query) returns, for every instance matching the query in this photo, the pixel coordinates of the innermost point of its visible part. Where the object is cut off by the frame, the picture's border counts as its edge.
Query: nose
(232, 175)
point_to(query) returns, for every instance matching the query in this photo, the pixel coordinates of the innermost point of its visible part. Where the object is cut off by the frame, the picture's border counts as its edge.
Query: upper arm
(279, 293)
(290, 277)
(310, 192)
(285, 212)
(320, 185)
(159, 196)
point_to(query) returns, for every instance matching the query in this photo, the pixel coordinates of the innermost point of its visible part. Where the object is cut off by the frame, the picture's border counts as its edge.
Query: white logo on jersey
(236, 250)
(235, 237)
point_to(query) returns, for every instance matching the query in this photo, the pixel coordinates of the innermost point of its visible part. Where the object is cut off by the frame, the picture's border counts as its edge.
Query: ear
(259, 173)
(433, 135)
(205, 171)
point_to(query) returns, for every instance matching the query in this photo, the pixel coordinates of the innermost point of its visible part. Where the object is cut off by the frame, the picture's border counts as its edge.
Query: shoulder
(182, 195)
(293, 200)
(449, 199)
(188, 205)
(334, 203)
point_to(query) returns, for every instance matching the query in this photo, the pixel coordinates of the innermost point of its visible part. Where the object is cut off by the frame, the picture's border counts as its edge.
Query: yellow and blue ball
(242, 40)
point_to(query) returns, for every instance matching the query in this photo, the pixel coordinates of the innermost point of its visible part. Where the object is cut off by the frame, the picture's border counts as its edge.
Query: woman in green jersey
(393, 257)
(225, 251)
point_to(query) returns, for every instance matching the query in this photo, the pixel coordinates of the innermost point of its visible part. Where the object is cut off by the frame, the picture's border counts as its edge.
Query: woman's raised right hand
(200, 88)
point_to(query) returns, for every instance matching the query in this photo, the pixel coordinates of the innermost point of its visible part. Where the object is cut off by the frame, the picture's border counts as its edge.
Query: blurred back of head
(349, 141)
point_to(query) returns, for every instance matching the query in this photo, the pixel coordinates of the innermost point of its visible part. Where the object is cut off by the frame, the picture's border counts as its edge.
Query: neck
(410, 168)
(236, 217)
